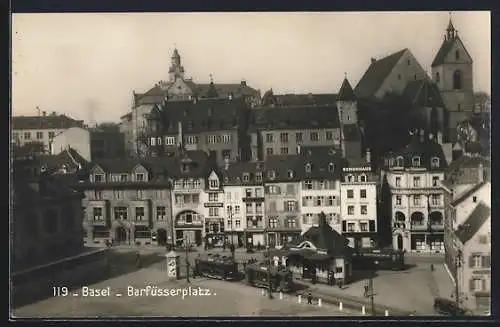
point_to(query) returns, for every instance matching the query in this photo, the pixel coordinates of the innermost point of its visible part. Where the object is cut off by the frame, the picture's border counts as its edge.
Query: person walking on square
(365, 294)
(309, 298)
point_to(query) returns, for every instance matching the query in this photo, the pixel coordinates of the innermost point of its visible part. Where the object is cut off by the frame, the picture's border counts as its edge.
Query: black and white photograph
(250, 164)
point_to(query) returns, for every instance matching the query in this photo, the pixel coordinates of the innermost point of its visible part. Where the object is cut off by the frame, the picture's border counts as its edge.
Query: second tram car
(383, 259)
(258, 275)
(217, 268)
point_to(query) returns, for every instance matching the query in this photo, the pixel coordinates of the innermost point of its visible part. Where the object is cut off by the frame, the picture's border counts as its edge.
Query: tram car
(378, 259)
(258, 274)
(216, 267)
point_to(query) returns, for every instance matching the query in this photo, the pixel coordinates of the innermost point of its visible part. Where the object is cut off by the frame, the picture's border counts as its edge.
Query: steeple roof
(346, 92)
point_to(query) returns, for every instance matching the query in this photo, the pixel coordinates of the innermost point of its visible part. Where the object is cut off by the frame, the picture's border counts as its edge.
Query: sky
(87, 65)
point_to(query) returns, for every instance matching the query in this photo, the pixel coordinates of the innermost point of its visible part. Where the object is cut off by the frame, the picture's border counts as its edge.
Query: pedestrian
(365, 294)
(309, 298)
(432, 267)
(340, 284)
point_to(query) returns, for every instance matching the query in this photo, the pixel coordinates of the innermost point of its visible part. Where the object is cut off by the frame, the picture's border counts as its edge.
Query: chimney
(243, 83)
(373, 60)
(440, 137)
(480, 172)
(226, 163)
(368, 156)
(422, 134)
(44, 113)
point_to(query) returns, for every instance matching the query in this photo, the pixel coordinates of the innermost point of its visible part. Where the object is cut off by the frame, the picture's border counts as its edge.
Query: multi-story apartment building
(281, 130)
(40, 129)
(414, 175)
(359, 203)
(91, 144)
(216, 126)
(46, 218)
(320, 188)
(127, 201)
(189, 176)
(284, 174)
(213, 205)
(244, 203)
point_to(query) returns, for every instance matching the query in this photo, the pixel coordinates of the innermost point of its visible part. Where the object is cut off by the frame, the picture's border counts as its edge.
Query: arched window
(435, 162)
(438, 77)
(362, 178)
(457, 80)
(308, 168)
(331, 167)
(415, 161)
(457, 55)
(399, 162)
(349, 178)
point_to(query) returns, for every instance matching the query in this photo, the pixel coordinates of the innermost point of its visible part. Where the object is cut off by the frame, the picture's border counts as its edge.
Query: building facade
(213, 206)
(41, 129)
(359, 204)
(320, 187)
(414, 175)
(127, 202)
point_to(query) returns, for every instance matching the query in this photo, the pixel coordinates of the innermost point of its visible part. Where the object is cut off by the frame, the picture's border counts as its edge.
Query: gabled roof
(44, 122)
(445, 48)
(426, 150)
(346, 92)
(423, 93)
(306, 117)
(376, 74)
(467, 194)
(473, 223)
(233, 175)
(305, 99)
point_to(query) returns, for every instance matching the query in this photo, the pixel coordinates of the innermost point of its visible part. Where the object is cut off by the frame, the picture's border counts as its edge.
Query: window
(474, 199)
(416, 200)
(98, 214)
(246, 177)
(237, 223)
(258, 177)
(308, 184)
(457, 55)
(237, 210)
(258, 192)
(298, 137)
(139, 177)
(271, 174)
(51, 135)
(213, 212)
(229, 223)
(399, 162)
(331, 200)
(350, 227)
(140, 194)
(121, 213)
(314, 136)
(319, 201)
(269, 138)
(435, 199)
(213, 197)
(97, 195)
(196, 183)
(290, 223)
(290, 174)
(186, 184)
(119, 194)
(39, 135)
(329, 135)
(457, 80)
(415, 162)
(363, 226)
(169, 140)
(477, 261)
(98, 178)
(399, 200)
(27, 135)
(409, 62)
(249, 208)
(350, 194)
(273, 189)
(364, 210)
(438, 77)
(435, 180)
(416, 181)
(273, 222)
(398, 181)
(139, 213)
(161, 213)
(350, 210)
(284, 137)
(269, 151)
(290, 206)
(158, 141)
(123, 177)
(213, 183)
(308, 168)
(226, 138)
(258, 207)
(362, 194)
(284, 150)
(153, 141)
(331, 167)
(307, 218)
(349, 178)
(248, 192)
(179, 199)
(362, 178)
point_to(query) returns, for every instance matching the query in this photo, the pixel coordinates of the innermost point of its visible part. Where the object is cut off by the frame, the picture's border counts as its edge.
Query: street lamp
(372, 296)
(230, 212)
(184, 240)
(269, 286)
(458, 264)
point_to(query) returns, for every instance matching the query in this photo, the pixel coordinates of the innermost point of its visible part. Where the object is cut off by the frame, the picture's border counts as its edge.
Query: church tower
(176, 69)
(452, 72)
(350, 135)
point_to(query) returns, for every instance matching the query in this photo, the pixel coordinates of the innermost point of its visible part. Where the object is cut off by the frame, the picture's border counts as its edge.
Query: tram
(217, 268)
(382, 259)
(258, 275)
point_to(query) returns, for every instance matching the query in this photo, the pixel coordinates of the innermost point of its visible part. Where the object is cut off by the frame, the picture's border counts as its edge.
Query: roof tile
(473, 223)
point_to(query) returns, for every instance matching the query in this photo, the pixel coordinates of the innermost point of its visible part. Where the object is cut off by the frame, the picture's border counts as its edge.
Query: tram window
(338, 269)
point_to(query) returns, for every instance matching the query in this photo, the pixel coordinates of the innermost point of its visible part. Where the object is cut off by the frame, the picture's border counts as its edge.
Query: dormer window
(98, 178)
(331, 167)
(415, 161)
(349, 178)
(271, 174)
(399, 162)
(435, 162)
(153, 141)
(308, 168)
(290, 174)
(158, 140)
(246, 177)
(139, 177)
(258, 177)
(362, 178)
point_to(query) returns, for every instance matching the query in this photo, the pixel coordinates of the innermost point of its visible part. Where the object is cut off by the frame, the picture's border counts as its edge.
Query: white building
(244, 203)
(414, 176)
(359, 203)
(213, 210)
(320, 188)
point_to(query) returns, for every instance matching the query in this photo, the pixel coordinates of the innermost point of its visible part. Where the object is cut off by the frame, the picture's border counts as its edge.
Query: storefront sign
(213, 205)
(321, 252)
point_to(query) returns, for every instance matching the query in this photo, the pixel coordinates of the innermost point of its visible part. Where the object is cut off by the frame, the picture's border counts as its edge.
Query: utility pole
(370, 285)
(269, 286)
(187, 259)
(232, 249)
(458, 264)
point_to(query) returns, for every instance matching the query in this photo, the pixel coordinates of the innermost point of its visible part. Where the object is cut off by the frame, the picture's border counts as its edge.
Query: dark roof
(233, 175)
(310, 117)
(426, 150)
(473, 223)
(346, 92)
(468, 162)
(467, 194)
(423, 93)
(324, 237)
(445, 48)
(305, 99)
(53, 163)
(376, 74)
(44, 122)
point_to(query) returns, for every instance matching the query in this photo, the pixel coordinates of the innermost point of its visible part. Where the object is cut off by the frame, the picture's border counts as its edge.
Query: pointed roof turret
(176, 54)
(346, 92)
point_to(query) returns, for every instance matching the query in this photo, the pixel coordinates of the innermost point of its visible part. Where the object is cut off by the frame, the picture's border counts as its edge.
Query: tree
(384, 216)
